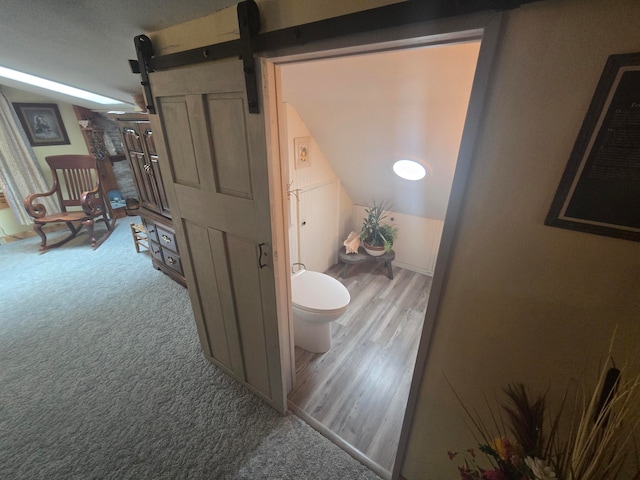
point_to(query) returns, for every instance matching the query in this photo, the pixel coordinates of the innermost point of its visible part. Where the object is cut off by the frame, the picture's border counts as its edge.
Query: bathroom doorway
(357, 114)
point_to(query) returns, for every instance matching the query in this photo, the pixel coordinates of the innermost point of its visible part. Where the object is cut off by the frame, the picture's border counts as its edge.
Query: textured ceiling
(86, 43)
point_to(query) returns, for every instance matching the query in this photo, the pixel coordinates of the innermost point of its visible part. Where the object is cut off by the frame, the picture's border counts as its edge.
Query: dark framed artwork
(600, 189)
(42, 123)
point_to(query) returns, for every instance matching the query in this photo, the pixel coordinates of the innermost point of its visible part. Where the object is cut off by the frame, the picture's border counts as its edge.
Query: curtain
(20, 172)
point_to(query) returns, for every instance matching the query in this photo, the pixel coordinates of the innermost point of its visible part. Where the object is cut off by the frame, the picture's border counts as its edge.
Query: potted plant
(377, 236)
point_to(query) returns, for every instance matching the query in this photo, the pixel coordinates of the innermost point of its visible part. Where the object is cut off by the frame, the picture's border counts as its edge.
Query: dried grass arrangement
(595, 442)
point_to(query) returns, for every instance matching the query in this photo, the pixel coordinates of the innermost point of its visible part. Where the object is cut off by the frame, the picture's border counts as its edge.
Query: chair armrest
(92, 203)
(38, 210)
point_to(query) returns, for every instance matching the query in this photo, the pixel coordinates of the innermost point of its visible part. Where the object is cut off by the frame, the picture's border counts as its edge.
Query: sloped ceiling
(364, 112)
(367, 111)
(86, 43)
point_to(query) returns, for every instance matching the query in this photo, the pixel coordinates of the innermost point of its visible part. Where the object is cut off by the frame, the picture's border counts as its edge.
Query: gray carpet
(101, 377)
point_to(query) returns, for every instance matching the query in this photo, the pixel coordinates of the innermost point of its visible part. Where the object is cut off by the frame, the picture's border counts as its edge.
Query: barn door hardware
(251, 41)
(249, 23)
(144, 50)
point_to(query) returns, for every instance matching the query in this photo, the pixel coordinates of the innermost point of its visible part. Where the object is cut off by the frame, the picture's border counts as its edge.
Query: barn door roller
(249, 23)
(144, 50)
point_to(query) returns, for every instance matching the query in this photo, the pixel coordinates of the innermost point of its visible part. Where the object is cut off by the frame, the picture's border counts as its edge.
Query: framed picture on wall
(302, 149)
(42, 123)
(600, 189)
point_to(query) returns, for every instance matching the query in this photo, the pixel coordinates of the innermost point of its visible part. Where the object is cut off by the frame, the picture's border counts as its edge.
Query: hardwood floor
(359, 388)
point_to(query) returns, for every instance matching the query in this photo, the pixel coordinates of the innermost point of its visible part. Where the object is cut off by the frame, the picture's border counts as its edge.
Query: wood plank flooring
(359, 388)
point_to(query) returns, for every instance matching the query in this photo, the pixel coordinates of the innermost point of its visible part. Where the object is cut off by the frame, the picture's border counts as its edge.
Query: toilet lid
(317, 291)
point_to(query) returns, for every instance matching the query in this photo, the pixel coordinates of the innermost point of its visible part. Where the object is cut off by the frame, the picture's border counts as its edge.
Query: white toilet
(318, 300)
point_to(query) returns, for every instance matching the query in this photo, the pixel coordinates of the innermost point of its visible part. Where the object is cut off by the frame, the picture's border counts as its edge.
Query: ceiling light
(55, 86)
(409, 169)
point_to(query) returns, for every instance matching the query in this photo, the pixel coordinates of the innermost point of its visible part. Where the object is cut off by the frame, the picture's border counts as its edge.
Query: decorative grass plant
(596, 441)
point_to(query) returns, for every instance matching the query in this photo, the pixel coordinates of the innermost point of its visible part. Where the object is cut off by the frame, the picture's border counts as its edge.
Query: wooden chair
(76, 183)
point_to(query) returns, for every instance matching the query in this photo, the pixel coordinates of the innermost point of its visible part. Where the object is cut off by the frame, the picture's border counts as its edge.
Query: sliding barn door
(214, 153)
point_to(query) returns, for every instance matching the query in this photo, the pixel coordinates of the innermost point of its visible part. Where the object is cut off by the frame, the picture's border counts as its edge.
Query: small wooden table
(362, 256)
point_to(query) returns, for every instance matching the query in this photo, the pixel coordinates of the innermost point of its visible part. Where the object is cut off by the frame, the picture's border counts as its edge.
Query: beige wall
(522, 301)
(8, 221)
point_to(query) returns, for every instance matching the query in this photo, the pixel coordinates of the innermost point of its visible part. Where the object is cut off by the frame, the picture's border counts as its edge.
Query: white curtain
(20, 173)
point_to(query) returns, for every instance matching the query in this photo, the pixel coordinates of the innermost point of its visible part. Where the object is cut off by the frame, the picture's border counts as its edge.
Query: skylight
(409, 169)
(56, 87)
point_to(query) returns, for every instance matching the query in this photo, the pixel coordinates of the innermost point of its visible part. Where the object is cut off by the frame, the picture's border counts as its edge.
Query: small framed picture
(42, 123)
(302, 149)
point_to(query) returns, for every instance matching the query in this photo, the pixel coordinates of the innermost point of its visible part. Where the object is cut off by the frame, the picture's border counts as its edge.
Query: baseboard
(328, 434)
(413, 268)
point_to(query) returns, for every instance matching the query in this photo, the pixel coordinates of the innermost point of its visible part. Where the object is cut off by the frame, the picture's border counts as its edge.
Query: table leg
(389, 270)
(344, 270)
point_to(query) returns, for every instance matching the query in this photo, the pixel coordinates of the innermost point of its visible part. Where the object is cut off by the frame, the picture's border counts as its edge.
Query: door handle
(260, 245)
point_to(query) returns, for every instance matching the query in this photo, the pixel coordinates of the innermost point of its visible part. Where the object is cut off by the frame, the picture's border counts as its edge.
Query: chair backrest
(72, 176)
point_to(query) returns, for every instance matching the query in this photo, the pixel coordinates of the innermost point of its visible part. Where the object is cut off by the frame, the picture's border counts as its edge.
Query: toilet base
(312, 337)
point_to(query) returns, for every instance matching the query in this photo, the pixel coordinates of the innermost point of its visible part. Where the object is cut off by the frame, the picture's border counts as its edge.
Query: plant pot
(373, 251)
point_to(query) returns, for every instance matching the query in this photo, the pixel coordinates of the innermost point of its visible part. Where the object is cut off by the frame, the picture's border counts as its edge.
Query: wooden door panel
(150, 147)
(219, 193)
(227, 213)
(244, 270)
(231, 158)
(178, 136)
(212, 298)
(151, 197)
(218, 245)
(146, 188)
(132, 139)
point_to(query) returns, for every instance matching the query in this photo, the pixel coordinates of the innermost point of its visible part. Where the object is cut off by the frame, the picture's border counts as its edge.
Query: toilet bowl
(318, 300)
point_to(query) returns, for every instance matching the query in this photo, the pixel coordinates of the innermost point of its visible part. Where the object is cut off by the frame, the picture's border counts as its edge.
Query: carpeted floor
(101, 377)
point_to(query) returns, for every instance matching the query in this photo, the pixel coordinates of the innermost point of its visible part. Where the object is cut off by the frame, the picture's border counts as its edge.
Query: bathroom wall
(416, 247)
(322, 214)
(320, 211)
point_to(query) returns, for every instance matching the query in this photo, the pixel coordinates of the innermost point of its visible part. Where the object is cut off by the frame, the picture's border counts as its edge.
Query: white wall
(319, 208)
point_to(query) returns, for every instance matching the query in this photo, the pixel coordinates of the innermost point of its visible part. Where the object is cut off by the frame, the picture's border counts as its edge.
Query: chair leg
(110, 223)
(89, 224)
(72, 227)
(38, 229)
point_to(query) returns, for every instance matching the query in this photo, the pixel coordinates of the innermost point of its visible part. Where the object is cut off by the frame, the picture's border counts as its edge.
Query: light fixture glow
(56, 87)
(409, 170)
